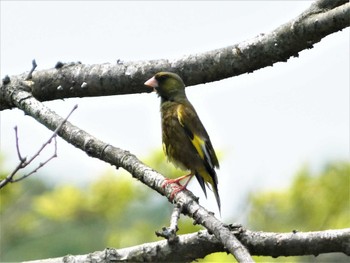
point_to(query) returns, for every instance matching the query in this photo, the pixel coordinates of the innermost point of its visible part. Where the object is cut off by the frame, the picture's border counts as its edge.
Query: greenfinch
(186, 143)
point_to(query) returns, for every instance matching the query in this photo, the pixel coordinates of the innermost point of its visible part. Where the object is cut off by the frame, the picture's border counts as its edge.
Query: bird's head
(168, 85)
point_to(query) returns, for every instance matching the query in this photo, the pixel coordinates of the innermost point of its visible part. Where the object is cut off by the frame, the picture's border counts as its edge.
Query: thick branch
(198, 245)
(324, 17)
(121, 158)
(297, 243)
(76, 80)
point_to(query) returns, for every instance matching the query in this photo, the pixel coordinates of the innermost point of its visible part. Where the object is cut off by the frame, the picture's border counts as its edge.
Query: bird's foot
(171, 181)
(175, 181)
(176, 190)
(179, 186)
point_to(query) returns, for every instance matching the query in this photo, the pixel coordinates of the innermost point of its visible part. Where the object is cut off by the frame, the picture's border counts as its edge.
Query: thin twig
(23, 160)
(30, 74)
(54, 155)
(17, 146)
(170, 232)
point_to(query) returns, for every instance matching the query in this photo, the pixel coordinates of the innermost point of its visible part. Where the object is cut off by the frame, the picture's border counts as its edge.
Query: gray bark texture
(26, 91)
(197, 245)
(67, 80)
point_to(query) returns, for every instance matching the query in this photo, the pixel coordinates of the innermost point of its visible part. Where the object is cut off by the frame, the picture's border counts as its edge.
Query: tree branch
(198, 245)
(121, 158)
(24, 161)
(297, 243)
(324, 17)
(77, 80)
(170, 232)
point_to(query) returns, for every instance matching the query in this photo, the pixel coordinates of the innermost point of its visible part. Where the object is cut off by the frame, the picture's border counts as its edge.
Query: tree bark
(198, 245)
(78, 80)
(121, 158)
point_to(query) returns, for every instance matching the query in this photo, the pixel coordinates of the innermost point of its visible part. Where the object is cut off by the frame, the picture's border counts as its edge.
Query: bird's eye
(161, 77)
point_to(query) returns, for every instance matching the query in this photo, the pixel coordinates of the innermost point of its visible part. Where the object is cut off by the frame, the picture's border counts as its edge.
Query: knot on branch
(6, 80)
(169, 234)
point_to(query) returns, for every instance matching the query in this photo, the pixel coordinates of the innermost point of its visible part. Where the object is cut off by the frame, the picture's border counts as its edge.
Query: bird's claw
(169, 181)
(178, 188)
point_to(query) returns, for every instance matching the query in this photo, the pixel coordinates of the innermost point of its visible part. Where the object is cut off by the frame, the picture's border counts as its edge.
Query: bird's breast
(176, 144)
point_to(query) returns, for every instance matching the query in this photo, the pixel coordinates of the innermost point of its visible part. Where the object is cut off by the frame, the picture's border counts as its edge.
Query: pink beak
(152, 83)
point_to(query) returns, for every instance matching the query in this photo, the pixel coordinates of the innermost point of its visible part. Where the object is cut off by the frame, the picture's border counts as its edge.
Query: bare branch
(121, 158)
(17, 146)
(297, 243)
(41, 164)
(324, 17)
(78, 80)
(198, 245)
(23, 160)
(170, 232)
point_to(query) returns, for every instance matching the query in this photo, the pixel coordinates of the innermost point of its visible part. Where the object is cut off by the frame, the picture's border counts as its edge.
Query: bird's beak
(152, 83)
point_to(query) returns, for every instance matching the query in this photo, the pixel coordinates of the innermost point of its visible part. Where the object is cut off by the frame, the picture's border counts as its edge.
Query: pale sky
(266, 124)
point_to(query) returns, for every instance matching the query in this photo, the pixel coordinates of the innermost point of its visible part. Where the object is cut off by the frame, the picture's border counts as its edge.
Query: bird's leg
(180, 187)
(176, 181)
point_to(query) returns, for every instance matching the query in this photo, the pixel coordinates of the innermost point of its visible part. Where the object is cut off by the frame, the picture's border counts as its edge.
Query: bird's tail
(217, 197)
(204, 178)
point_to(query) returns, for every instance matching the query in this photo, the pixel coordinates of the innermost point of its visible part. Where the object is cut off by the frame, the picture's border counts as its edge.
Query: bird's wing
(199, 137)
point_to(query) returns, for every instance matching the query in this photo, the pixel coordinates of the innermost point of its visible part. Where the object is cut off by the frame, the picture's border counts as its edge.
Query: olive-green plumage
(185, 140)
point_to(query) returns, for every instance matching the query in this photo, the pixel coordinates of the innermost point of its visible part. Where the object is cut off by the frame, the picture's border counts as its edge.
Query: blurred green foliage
(38, 221)
(313, 202)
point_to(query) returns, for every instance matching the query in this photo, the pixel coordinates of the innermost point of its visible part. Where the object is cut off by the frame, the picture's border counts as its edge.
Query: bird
(185, 141)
